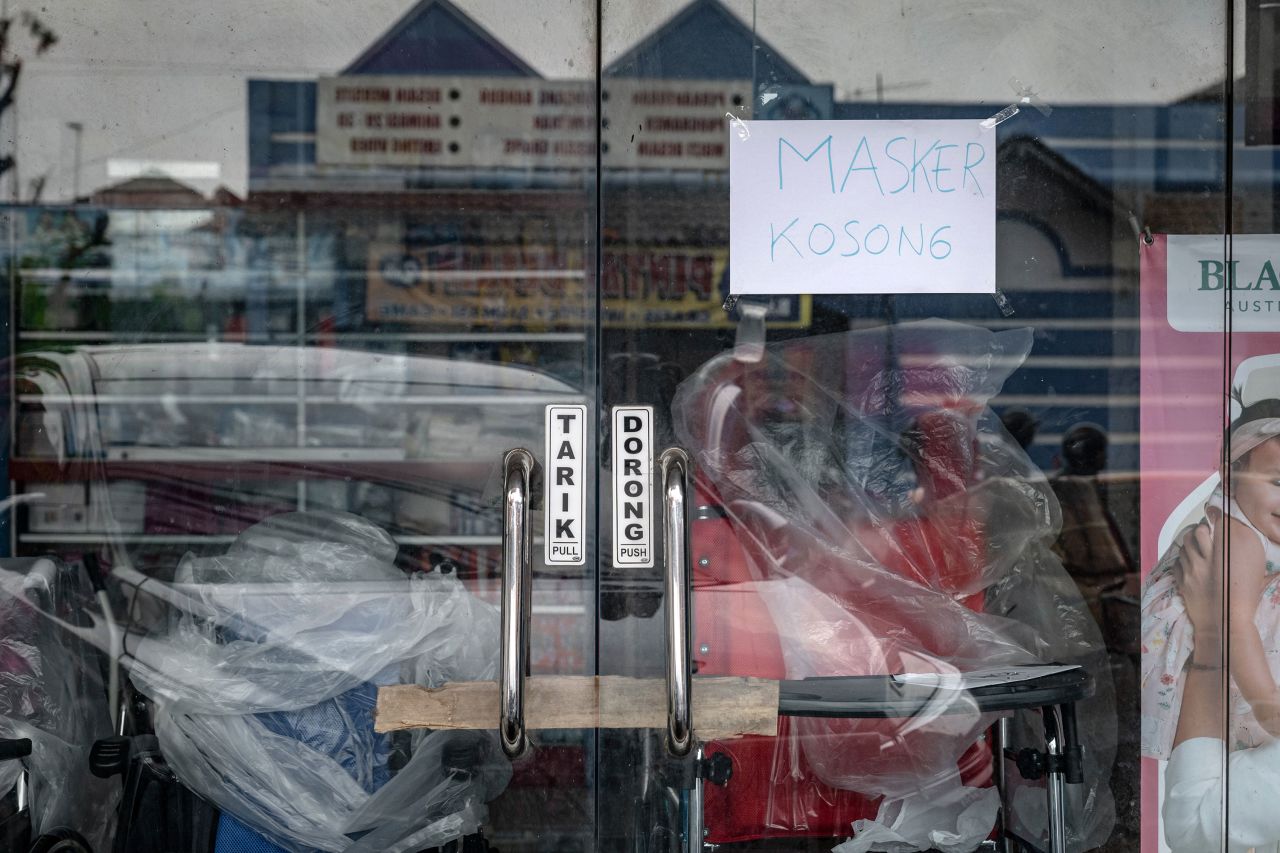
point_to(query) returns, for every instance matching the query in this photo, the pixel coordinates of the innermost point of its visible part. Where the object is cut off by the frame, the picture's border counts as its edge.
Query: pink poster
(1188, 366)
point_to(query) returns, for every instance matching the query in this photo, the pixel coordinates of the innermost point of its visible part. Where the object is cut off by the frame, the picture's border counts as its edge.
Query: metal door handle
(517, 468)
(674, 467)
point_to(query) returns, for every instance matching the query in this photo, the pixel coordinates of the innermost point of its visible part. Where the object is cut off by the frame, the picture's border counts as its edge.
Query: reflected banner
(427, 122)
(545, 287)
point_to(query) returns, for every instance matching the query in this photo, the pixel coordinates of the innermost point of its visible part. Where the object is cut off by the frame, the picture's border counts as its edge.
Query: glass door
(283, 289)
(424, 353)
(908, 478)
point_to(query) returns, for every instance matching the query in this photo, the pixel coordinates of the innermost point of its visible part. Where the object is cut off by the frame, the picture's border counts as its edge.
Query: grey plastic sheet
(51, 691)
(265, 674)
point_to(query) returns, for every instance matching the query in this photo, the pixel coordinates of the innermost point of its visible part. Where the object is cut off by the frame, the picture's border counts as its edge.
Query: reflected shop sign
(1200, 281)
(428, 122)
(544, 286)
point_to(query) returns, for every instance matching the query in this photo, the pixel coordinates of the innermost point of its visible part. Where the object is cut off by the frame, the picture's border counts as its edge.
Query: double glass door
(362, 349)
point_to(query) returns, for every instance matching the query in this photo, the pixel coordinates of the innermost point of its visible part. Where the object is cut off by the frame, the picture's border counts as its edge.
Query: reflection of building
(149, 191)
(467, 126)
(420, 242)
(1066, 259)
(445, 82)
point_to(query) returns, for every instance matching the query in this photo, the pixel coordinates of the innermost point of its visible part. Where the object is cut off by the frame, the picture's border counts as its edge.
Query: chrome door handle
(517, 575)
(674, 467)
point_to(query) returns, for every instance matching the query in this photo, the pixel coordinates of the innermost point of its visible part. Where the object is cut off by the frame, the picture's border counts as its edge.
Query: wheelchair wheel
(61, 841)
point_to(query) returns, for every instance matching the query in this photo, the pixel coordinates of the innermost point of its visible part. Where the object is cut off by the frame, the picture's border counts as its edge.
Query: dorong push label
(633, 486)
(564, 486)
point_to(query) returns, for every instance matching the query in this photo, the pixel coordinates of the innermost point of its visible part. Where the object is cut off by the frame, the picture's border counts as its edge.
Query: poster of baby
(1210, 486)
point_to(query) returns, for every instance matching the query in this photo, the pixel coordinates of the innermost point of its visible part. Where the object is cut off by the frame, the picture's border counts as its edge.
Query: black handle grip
(14, 748)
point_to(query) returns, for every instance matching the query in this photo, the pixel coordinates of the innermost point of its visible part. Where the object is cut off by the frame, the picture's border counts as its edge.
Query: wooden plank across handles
(723, 707)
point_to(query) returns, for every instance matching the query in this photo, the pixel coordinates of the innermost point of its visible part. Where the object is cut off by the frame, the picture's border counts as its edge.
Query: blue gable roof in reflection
(435, 37)
(1166, 147)
(705, 41)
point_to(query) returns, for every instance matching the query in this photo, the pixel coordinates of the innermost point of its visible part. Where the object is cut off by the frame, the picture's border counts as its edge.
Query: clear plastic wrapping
(51, 691)
(321, 609)
(900, 529)
(265, 678)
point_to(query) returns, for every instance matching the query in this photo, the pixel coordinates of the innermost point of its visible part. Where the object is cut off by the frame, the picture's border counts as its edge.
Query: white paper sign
(564, 486)
(633, 486)
(862, 207)
(1197, 279)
